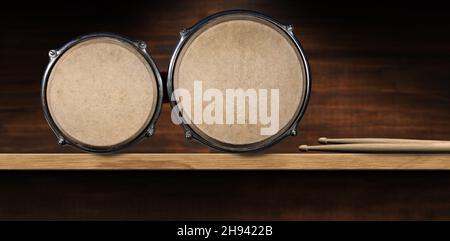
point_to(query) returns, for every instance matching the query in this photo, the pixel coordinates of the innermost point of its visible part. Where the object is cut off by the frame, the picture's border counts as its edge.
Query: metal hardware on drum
(240, 49)
(101, 92)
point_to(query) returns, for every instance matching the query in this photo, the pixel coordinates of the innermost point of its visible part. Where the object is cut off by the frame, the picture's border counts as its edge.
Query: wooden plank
(224, 162)
(369, 78)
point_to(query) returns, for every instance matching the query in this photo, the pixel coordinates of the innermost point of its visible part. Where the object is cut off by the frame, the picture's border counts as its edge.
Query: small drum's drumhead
(246, 51)
(101, 93)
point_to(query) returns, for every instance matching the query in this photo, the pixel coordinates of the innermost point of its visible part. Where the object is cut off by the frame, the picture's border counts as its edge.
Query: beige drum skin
(102, 93)
(241, 49)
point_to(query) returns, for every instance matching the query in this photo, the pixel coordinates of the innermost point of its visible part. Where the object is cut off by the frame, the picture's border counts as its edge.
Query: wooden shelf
(12, 161)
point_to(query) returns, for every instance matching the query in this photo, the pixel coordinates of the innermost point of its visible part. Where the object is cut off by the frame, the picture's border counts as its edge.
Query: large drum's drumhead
(101, 93)
(242, 51)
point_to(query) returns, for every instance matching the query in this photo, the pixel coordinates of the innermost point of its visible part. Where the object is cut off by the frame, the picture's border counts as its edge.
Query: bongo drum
(238, 50)
(101, 92)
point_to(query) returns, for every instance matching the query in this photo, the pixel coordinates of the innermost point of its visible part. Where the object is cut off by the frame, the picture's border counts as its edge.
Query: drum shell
(289, 130)
(141, 48)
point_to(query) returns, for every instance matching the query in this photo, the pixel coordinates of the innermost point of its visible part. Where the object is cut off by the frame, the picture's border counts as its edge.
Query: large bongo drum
(238, 50)
(101, 92)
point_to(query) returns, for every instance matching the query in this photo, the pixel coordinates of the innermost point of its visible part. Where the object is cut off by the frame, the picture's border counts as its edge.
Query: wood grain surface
(187, 161)
(379, 70)
(217, 195)
(372, 76)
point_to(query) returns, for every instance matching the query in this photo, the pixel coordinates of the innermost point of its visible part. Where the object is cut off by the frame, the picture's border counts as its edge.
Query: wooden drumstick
(382, 148)
(325, 140)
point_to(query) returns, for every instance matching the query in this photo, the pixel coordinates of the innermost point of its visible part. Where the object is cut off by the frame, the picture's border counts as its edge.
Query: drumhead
(102, 92)
(241, 50)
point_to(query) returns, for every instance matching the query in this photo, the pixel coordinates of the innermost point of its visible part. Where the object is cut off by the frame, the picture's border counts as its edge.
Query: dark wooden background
(379, 70)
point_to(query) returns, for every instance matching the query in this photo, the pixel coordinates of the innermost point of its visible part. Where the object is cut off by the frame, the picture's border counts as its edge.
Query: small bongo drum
(101, 92)
(239, 50)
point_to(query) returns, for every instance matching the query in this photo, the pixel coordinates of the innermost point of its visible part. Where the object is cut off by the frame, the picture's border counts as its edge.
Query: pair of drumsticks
(379, 145)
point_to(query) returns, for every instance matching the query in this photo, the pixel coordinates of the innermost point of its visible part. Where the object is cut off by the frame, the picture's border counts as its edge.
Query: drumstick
(382, 147)
(325, 140)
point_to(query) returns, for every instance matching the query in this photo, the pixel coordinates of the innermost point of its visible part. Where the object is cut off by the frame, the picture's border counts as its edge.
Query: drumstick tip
(323, 140)
(303, 148)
